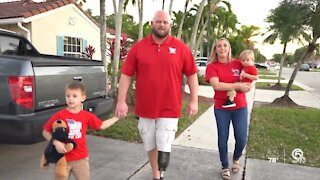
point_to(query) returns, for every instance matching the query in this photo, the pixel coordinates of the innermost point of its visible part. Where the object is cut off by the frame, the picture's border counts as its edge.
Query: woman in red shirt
(223, 73)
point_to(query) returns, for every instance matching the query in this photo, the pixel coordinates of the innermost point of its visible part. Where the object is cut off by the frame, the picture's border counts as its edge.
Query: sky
(249, 12)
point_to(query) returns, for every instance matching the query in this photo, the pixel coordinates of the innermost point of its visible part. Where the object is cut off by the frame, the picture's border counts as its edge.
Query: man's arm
(193, 84)
(122, 107)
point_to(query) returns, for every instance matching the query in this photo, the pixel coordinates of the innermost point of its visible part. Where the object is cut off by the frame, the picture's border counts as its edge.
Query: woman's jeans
(239, 118)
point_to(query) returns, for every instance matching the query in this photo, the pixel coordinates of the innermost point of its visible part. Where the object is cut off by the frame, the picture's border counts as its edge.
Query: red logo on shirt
(235, 72)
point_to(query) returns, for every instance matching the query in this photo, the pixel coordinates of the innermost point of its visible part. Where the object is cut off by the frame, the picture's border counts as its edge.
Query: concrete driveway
(109, 159)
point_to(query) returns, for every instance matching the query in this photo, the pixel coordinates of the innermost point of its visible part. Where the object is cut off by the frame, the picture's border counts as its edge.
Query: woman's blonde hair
(245, 53)
(214, 55)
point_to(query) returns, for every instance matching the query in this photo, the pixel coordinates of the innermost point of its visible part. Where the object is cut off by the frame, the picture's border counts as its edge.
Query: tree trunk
(170, 7)
(103, 39)
(163, 1)
(114, 6)
(163, 4)
(281, 63)
(170, 12)
(140, 10)
(307, 52)
(195, 27)
(182, 20)
(200, 39)
(115, 69)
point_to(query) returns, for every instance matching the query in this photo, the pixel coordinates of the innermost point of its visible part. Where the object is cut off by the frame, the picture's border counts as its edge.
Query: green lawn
(276, 132)
(267, 85)
(202, 81)
(269, 77)
(126, 129)
(264, 72)
(314, 70)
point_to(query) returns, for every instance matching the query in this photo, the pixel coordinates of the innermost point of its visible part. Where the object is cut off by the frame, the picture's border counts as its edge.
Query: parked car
(201, 59)
(274, 66)
(261, 66)
(202, 66)
(304, 67)
(201, 63)
(32, 88)
(313, 65)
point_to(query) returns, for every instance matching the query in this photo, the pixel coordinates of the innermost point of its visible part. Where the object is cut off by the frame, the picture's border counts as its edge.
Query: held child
(248, 74)
(77, 121)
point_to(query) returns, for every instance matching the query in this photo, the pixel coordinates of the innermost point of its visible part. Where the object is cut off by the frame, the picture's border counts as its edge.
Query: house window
(72, 46)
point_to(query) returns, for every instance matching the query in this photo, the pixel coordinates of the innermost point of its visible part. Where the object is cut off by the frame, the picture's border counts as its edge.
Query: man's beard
(160, 35)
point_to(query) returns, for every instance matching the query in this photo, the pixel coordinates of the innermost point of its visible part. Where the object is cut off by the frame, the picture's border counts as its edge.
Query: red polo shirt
(159, 70)
(227, 73)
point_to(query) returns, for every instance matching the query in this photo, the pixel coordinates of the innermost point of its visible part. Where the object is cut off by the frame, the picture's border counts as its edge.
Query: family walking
(159, 62)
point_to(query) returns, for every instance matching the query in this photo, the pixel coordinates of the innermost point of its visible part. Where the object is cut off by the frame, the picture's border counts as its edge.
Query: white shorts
(158, 133)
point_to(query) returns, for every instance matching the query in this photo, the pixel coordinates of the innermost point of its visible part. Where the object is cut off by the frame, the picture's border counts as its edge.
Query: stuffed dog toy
(51, 155)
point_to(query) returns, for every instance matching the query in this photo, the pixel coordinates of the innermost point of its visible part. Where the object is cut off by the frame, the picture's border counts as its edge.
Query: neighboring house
(58, 27)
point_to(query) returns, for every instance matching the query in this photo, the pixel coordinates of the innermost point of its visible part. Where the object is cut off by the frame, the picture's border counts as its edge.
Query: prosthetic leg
(163, 162)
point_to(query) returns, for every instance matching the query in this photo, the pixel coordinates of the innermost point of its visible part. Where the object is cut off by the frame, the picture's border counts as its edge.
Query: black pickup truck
(32, 88)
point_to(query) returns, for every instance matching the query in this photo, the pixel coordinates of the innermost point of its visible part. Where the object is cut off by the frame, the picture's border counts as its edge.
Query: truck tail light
(21, 88)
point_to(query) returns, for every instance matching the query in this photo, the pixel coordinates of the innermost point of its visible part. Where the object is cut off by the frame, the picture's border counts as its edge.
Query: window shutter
(84, 45)
(60, 44)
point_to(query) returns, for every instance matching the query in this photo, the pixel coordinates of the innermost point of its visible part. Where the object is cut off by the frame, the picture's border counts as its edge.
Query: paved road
(311, 79)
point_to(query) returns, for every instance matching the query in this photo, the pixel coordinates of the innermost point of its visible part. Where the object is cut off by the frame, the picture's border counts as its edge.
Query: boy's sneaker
(228, 104)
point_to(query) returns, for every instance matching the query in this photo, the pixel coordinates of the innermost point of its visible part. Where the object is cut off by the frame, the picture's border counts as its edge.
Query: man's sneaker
(228, 104)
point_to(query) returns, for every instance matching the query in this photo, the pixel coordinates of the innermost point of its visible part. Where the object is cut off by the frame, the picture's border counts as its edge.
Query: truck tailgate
(50, 82)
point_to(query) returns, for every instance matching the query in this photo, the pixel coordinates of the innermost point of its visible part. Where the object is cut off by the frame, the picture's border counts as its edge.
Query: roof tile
(23, 8)
(49, 7)
(42, 9)
(28, 8)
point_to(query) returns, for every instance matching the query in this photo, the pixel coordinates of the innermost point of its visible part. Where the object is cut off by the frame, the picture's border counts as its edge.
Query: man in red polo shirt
(159, 62)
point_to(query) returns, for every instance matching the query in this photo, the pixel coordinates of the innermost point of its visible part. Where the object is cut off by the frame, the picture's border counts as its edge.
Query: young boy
(248, 74)
(77, 121)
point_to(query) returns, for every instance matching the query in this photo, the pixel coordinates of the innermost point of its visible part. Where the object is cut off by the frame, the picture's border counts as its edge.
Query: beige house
(58, 27)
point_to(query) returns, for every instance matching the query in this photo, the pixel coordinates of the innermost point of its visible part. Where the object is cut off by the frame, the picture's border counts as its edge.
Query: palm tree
(224, 21)
(214, 11)
(284, 20)
(186, 29)
(247, 32)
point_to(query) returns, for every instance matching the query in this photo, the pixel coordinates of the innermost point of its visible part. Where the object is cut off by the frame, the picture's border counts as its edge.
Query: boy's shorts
(78, 168)
(158, 133)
